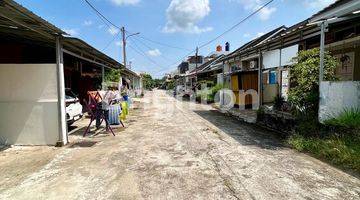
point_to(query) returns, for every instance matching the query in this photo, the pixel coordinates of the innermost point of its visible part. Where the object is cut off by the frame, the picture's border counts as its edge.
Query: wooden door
(235, 87)
(235, 83)
(249, 81)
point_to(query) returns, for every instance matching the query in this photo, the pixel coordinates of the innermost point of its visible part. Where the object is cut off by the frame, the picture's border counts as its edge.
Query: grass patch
(337, 142)
(341, 150)
(349, 118)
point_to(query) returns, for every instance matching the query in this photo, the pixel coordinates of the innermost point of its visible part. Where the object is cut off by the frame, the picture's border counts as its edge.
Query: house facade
(272, 59)
(242, 70)
(259, 71)
(37, 62)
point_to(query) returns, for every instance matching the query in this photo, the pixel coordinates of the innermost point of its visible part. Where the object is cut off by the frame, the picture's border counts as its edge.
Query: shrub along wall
(282, 122)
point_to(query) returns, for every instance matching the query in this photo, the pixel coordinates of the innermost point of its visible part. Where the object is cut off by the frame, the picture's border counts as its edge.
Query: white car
(74, 110)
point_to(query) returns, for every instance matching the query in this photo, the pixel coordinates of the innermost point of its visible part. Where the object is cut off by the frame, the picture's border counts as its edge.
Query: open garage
(38, 62)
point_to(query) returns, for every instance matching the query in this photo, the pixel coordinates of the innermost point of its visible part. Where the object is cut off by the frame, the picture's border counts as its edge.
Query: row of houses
(264, 64)
(38, 61)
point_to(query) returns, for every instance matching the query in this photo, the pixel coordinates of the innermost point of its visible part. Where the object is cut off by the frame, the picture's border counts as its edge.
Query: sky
(184, 24)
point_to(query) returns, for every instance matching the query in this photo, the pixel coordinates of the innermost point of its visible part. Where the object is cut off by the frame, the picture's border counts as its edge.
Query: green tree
(304, 79)
(170, 85)
(158, 82)
(148, 82)
(113, 75)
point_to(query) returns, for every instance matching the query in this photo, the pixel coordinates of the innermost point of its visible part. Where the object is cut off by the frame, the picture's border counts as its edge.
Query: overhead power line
(225, 32)
(237, 24)
(150, 48)
(142, 53)
(107, 22)
(103, 18)
(110, 24)
(163, 44)
(160, 43)
(111, 41)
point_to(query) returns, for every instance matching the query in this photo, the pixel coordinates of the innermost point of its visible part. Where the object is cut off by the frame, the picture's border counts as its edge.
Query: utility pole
(124, 45)
(196, 67)
(222, 100)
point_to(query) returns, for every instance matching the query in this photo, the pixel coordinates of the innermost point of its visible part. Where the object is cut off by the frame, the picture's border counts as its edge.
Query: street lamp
(124, 38)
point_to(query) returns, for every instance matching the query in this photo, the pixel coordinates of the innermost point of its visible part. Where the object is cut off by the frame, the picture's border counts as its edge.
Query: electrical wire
(237, 24)
(159, 43)
(111, 41)
(103, 18)
(142, 53)
(163, 44)
(150, 48)
(226, 31)
(107, 22)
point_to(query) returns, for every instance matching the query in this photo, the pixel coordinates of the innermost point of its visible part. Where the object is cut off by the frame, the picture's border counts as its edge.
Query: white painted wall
(220, 78)
(337, 96)
(271, 59)
(28, 104)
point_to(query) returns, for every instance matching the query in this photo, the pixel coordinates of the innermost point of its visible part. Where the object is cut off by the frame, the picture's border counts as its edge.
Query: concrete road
(172, 150)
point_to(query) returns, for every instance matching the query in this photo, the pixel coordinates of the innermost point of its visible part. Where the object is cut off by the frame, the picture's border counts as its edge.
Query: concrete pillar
(323, 26)
(322, 50)
(103, 77)
(280, 69)
(260, 85)
(63, 137)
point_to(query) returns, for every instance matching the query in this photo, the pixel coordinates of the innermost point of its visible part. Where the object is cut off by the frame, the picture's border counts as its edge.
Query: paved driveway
(172, 150)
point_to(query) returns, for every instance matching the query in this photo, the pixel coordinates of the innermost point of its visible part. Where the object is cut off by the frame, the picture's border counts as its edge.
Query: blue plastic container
(126, 97)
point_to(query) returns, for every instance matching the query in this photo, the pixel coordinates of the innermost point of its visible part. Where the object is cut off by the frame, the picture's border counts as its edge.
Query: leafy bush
(340, 150)
(304, 79)
(307, 125)
(170, 85)
(278, 102)
(113, 75)
(148, 82)
(207, 83)
(203, 95)
(349, 118)
(209, 95)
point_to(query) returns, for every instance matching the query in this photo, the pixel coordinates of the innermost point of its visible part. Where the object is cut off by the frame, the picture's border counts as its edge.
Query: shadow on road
(4, 147)
(245, 134)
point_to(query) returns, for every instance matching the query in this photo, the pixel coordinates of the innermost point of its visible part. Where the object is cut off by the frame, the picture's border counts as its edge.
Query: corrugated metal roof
(329, 7)
(13, 14)
(256, 41)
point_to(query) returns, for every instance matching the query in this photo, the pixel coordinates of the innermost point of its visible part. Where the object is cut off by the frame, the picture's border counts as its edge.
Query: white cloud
(184, 15)
(317, 4)
(113, 30)
(118, 43)
(125, 2)
(253, 5)
(72, 31)
(87, 23)
(265, 13)
(154, 52)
